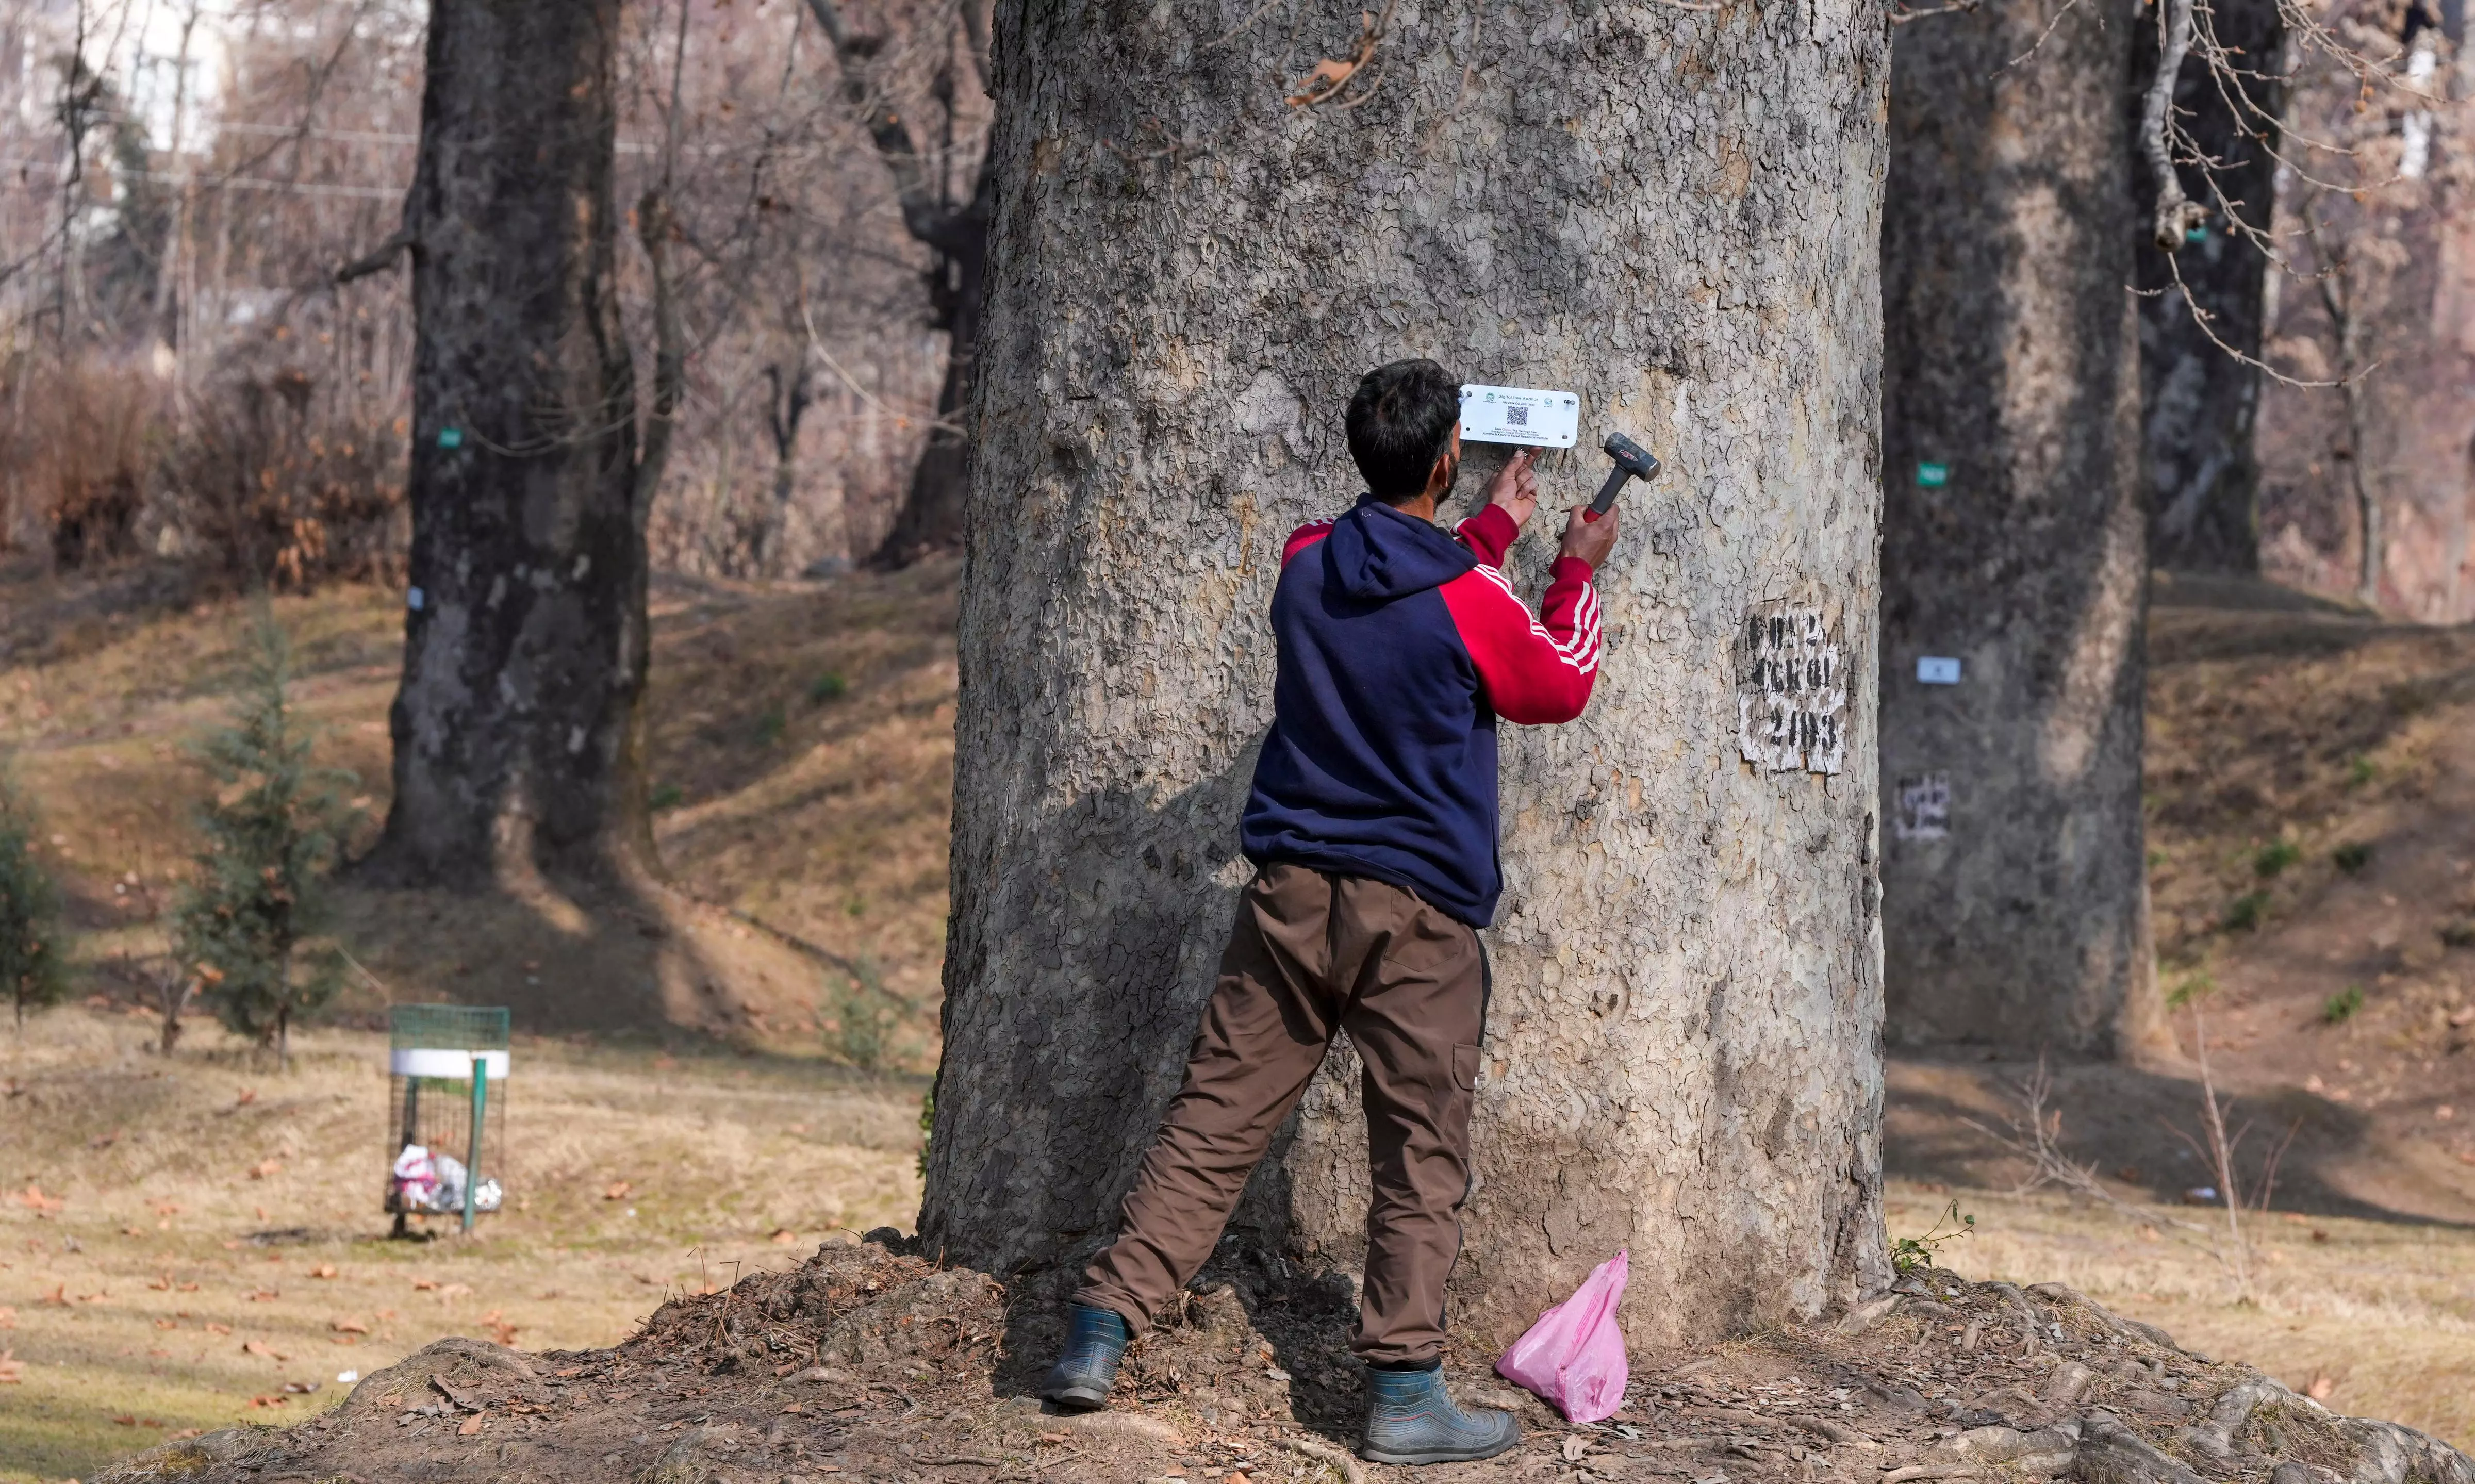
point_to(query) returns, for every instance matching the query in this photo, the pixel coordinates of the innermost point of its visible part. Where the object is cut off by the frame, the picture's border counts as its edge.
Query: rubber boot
(1412, 1419)
(1096, 1341)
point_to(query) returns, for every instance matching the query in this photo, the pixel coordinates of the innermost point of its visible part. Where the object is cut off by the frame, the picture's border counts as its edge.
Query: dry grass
(2380, 1313)
(128, 1305)
(822, 815)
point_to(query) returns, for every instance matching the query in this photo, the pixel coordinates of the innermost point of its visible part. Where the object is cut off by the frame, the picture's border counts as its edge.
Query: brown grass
(136, 1294)
(2382, 1313)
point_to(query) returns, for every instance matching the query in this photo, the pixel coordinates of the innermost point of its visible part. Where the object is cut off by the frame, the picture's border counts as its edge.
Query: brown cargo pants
(1312, 952)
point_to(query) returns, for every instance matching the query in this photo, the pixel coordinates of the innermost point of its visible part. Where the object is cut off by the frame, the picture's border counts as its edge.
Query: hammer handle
(1606, 499)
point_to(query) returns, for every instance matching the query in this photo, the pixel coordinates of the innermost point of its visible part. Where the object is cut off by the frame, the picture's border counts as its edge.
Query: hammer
(1632, 462)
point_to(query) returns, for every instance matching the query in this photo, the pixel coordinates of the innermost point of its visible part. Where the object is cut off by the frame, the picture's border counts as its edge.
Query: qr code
(1516, 417)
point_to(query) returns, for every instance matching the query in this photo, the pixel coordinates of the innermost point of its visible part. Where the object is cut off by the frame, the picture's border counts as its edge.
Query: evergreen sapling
(272, 829)
(29, 910)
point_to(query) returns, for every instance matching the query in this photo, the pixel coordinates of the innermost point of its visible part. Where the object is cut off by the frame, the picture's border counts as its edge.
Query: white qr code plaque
(1529, 415)
(1791, 694)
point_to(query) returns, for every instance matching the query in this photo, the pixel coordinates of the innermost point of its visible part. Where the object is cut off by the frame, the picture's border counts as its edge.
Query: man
(1372, 827)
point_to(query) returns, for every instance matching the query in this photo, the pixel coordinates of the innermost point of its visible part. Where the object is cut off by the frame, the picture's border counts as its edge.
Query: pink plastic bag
(1574, 1357)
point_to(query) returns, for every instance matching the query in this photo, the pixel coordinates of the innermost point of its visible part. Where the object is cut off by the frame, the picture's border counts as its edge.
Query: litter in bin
(424, 1181)
(1574, 1357)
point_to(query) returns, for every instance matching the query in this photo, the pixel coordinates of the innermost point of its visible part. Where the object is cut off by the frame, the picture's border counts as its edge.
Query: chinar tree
(1205, 236)
(2014, 535)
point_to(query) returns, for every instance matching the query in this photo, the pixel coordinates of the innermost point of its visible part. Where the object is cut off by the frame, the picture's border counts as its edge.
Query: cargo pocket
(1465, 1068)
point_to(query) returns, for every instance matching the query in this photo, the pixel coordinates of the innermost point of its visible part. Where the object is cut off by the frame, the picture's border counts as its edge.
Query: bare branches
(1902, 14)
(378, 259)
(2175, 216)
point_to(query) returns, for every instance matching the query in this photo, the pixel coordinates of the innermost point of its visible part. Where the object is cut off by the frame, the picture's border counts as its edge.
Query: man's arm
(1511, 497)
(1536, 671)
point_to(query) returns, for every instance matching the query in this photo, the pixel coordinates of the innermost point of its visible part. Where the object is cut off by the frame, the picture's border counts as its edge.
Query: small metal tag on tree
(271, 828)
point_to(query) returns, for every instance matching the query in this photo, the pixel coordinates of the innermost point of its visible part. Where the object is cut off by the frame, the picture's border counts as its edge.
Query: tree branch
(2175, 215)
(378, 259)
(923, 216)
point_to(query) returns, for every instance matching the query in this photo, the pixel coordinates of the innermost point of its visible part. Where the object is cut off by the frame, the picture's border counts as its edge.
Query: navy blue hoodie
(1400, 647)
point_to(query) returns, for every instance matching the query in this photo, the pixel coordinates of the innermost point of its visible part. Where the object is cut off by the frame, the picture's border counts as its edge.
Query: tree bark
(2014, 536)
(2198, 400)
(1674, 215)
(516, 724)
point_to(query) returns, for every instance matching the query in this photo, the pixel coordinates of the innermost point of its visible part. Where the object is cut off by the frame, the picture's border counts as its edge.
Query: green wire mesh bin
(446, 1071)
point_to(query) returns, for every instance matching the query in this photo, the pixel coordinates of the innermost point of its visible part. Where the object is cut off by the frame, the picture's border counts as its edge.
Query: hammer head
(1631, 457)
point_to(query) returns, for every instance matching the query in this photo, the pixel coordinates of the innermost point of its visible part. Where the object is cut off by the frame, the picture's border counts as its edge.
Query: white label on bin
(1937, 669)
(452, 1065)
(1531, 415)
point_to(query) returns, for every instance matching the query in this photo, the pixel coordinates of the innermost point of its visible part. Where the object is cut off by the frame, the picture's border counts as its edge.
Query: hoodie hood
(1375, 552)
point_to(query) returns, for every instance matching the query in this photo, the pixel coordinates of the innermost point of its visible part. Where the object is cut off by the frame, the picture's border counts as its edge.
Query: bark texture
(2014, 535)
(1674, 215)
(2198, 401)
(524, 640)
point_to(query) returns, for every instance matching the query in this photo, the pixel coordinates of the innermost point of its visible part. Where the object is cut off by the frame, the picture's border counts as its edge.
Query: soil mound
(869, 1362)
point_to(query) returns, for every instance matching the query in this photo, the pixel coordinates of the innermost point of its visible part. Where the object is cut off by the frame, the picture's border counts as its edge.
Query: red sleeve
(1487, 534)
(1534, 670)
(1305, 536)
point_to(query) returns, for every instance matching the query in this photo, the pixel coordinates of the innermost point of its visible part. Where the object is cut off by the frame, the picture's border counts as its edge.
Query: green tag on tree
(1933, 477)
(451, 437)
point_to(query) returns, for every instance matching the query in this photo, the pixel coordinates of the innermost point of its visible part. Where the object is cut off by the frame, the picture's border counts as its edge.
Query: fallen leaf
(270, 1401)
(33, 1198)
(12, 1371)
(7, 1318)
(59, 1294)
(188, 1288)
(425, 1283)
(783, 1236)
(248, 1095)
(1331, 72)
(264, 1168)
(618, 1190)
(123, 1421)
(264, 1295)
(2322, 1387)
(162, 1285)
(348, 1327)
(261, 1347)
(168, 1323)
(471, 1426)
(324, 1270)
(214, 1328)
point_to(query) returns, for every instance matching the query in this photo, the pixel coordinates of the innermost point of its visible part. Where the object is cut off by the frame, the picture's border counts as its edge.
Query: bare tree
(957, 231)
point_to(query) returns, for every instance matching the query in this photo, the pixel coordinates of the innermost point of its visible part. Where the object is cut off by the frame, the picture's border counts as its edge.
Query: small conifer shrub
(272, 829)
(29, 910)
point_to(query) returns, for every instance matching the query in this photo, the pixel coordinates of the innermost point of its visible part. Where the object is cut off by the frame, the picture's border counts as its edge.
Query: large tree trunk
(2014, 535)
(525, 645)
(2198, 398)
(1675, 215)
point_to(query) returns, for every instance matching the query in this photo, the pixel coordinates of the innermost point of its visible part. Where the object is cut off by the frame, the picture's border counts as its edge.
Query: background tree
(534, 466)
(2014, 535)
(2203, 306)
(271, 830)
(31, 968)
(957, 231)
(1676, 215)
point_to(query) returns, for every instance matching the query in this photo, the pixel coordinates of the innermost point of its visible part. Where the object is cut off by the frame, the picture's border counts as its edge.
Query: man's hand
(1515, 488)
(1589, 540)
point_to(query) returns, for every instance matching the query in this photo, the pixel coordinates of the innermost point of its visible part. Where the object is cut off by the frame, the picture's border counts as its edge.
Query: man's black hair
(1399, 423)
